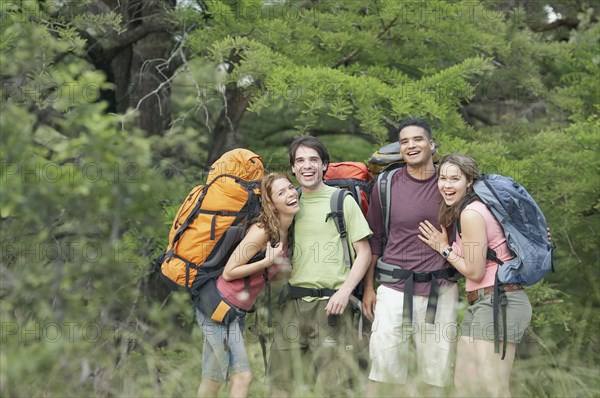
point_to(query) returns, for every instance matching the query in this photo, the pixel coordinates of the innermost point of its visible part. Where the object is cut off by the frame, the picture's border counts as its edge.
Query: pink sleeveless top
(496, 241)
(235, 291)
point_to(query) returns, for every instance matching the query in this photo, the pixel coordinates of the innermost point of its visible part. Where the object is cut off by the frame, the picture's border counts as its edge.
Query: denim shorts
(478, 322)
(224, 351)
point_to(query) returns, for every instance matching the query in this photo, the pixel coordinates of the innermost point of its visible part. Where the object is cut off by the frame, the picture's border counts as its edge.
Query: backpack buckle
(422, 276)
(333, 214)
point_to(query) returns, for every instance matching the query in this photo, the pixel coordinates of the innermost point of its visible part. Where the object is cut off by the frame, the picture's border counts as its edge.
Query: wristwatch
(447, 252)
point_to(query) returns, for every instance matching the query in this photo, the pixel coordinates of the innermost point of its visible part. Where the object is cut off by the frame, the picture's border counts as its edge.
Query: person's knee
(208, 388)
(242, 378)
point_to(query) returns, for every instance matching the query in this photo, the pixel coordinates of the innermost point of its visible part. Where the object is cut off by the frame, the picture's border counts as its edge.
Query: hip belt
(390, 273)
(297, 292)
(211, 302)
(478, 294)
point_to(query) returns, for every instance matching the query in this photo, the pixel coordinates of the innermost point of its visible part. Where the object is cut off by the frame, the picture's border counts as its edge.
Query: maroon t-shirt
(412, 201)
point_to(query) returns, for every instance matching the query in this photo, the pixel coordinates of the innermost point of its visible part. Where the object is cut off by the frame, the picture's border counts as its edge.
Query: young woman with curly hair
(240, 284)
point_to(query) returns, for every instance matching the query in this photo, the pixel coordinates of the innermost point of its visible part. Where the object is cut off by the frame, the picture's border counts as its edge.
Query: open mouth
(449, 195)
(292, 203)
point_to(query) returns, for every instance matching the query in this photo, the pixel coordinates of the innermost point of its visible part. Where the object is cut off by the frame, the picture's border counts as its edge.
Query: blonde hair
(268, 216)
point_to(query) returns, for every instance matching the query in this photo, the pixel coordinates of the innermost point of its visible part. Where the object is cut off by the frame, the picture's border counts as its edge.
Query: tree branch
(570, 23)
(470, 114)
(151, 25)
(346, 59)
(349, 57)
(386, 28)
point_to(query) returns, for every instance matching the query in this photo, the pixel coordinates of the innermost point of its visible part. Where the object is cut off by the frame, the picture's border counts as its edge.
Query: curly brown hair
(268, 216)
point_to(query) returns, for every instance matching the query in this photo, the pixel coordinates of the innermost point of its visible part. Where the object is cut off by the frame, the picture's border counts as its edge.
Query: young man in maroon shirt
(415, 307)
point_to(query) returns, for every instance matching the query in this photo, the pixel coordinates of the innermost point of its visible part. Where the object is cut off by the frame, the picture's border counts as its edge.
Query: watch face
(446, 252)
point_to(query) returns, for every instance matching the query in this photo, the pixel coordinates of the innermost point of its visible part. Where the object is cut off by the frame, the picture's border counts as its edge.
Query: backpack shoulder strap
(490, 254)
(384, 186)
(336, 203)
(457, 228)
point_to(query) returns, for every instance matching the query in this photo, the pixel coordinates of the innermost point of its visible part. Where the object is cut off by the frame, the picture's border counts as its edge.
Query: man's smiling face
(308, 168)
(415, 146)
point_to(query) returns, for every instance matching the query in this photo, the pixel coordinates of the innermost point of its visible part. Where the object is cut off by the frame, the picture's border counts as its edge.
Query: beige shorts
(432, 346)
(478, 322)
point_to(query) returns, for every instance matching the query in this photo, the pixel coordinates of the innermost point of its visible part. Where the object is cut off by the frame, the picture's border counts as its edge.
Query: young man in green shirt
(314, 335)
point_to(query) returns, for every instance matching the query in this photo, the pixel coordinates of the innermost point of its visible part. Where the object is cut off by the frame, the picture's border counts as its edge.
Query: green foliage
(578, 88)
(343, 65)
(78, 217)
(87, 199)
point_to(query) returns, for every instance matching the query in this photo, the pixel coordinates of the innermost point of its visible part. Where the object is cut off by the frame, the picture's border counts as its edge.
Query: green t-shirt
(318, 259)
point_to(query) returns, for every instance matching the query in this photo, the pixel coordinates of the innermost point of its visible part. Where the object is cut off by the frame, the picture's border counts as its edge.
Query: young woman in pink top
(479, 370)
(240, 284)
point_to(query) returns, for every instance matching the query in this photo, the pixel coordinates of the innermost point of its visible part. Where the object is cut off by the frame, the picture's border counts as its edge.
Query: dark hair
(415, 122)
(310, 142)
(449, 214)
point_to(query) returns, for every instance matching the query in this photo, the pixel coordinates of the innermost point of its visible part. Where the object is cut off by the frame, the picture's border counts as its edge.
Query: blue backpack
(526, 235)
(524, 226)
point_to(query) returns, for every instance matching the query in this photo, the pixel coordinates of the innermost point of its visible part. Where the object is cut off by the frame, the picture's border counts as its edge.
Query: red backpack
(353, 177)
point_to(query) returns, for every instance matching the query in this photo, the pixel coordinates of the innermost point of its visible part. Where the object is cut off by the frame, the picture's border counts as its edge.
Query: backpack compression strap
(337, 213)
(197, 210)
(500, 301)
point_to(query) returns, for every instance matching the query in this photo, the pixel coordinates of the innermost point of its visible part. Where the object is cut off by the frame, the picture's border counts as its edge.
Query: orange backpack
(213, 220)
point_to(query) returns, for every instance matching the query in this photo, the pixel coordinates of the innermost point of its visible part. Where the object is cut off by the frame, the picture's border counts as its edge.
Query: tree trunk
(137, 61)
(224, 135)
(146, 89)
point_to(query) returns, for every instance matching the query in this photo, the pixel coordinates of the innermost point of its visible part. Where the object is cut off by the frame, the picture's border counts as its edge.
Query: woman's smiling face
(284, 196)
(452, 183)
